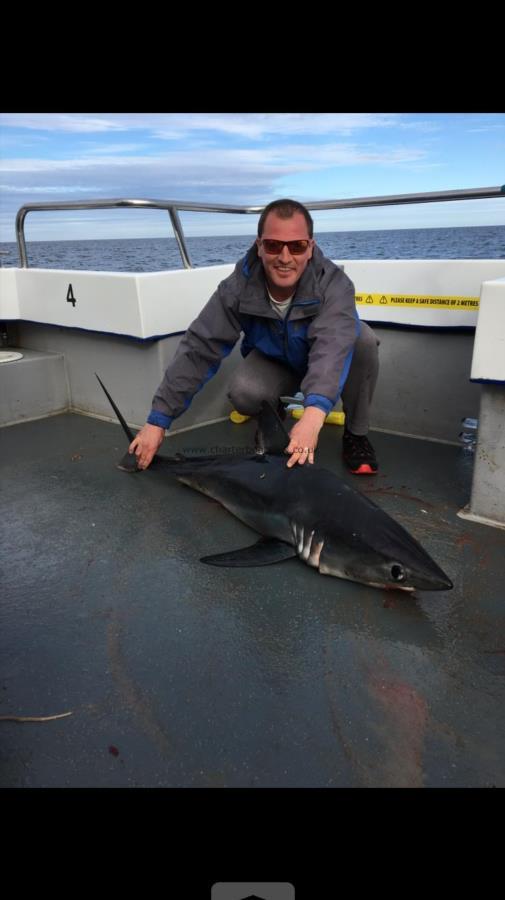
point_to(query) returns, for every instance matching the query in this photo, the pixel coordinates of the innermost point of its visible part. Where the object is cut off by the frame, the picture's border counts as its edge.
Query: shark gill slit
(308, 547)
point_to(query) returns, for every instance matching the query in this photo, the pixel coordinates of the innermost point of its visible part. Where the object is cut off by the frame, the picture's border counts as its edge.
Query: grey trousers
(258, 378)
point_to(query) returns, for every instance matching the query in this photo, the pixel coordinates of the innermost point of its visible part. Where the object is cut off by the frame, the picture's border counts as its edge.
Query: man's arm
(207, 341)
(332, 335)
(304, 436)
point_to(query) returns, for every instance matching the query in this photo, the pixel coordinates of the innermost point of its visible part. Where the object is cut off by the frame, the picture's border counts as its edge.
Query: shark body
(303, 511)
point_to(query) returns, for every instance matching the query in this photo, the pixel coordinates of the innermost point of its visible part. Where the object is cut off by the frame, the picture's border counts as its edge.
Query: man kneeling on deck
(301, 330)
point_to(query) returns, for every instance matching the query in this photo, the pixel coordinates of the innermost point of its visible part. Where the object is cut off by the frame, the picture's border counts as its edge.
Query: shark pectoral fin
(128, 463)
(263, 553)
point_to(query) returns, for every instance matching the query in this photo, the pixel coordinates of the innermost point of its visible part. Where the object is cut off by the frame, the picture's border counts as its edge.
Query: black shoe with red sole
(359, 455)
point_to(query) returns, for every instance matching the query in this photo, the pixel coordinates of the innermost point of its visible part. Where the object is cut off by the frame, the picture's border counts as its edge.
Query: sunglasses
(296, 248)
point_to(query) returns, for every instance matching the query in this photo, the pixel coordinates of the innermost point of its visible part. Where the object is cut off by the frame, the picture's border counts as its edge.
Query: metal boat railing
(173, 208)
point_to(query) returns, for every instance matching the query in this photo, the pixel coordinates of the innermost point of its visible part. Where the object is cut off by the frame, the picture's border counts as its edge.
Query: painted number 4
(70, 296)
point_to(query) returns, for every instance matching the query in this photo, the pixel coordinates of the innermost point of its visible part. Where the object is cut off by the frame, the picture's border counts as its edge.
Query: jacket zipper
(285, 330)
(285, 327)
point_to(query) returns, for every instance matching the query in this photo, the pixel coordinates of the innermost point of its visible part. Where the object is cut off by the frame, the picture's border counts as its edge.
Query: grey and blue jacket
(316, 338)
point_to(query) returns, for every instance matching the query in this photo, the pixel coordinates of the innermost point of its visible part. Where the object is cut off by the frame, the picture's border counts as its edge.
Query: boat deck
(179, 674)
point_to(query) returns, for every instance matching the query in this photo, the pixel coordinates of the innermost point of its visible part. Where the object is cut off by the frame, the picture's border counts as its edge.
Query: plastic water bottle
(468, 436)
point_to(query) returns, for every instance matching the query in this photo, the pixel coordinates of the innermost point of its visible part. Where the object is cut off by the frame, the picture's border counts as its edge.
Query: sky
(245, 159)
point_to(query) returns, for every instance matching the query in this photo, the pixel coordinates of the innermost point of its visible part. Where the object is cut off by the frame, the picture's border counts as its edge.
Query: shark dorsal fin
(272, 437)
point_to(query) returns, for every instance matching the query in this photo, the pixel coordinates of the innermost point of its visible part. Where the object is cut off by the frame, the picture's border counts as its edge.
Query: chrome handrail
(175, 206)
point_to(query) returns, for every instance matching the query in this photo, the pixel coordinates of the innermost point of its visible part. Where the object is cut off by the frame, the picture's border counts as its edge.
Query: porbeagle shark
(303, 511)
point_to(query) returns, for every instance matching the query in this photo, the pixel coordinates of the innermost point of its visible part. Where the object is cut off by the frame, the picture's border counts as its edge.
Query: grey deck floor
(180, 674)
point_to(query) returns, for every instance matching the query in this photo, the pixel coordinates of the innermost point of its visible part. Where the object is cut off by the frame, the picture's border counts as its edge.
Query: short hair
(285, 209)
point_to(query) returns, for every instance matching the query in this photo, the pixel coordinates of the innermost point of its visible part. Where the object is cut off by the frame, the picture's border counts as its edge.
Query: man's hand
(304, 436)
(146, 444)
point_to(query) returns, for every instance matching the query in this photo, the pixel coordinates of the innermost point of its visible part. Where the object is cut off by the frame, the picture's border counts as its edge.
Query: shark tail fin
(127, 430)
(271, 436)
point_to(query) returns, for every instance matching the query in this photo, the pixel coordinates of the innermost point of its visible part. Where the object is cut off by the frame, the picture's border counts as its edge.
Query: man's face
(283, 270)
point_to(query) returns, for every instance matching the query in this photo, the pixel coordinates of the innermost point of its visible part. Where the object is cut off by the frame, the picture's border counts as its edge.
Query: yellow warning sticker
(415, 301)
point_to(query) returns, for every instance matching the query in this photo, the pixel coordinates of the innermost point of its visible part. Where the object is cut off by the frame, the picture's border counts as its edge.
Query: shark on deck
(304, 511)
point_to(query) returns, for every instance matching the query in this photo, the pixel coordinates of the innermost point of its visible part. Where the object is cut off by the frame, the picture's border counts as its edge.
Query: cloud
(269, 161)
(422, 126)
(244, 176)
(72, 122)
(176, 126)
(258, 126)
(486, 128)
(47, 189)
(113, 148)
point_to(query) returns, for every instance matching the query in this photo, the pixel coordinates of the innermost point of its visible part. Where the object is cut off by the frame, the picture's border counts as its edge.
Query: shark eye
(397, 572)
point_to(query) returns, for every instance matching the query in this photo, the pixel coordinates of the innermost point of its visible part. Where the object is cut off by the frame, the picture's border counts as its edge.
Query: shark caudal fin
(129, 461)
(127, 430)
(271, 436)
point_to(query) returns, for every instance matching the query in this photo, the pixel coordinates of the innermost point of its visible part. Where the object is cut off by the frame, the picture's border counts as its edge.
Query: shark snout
(432, 581)
(443, 584)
